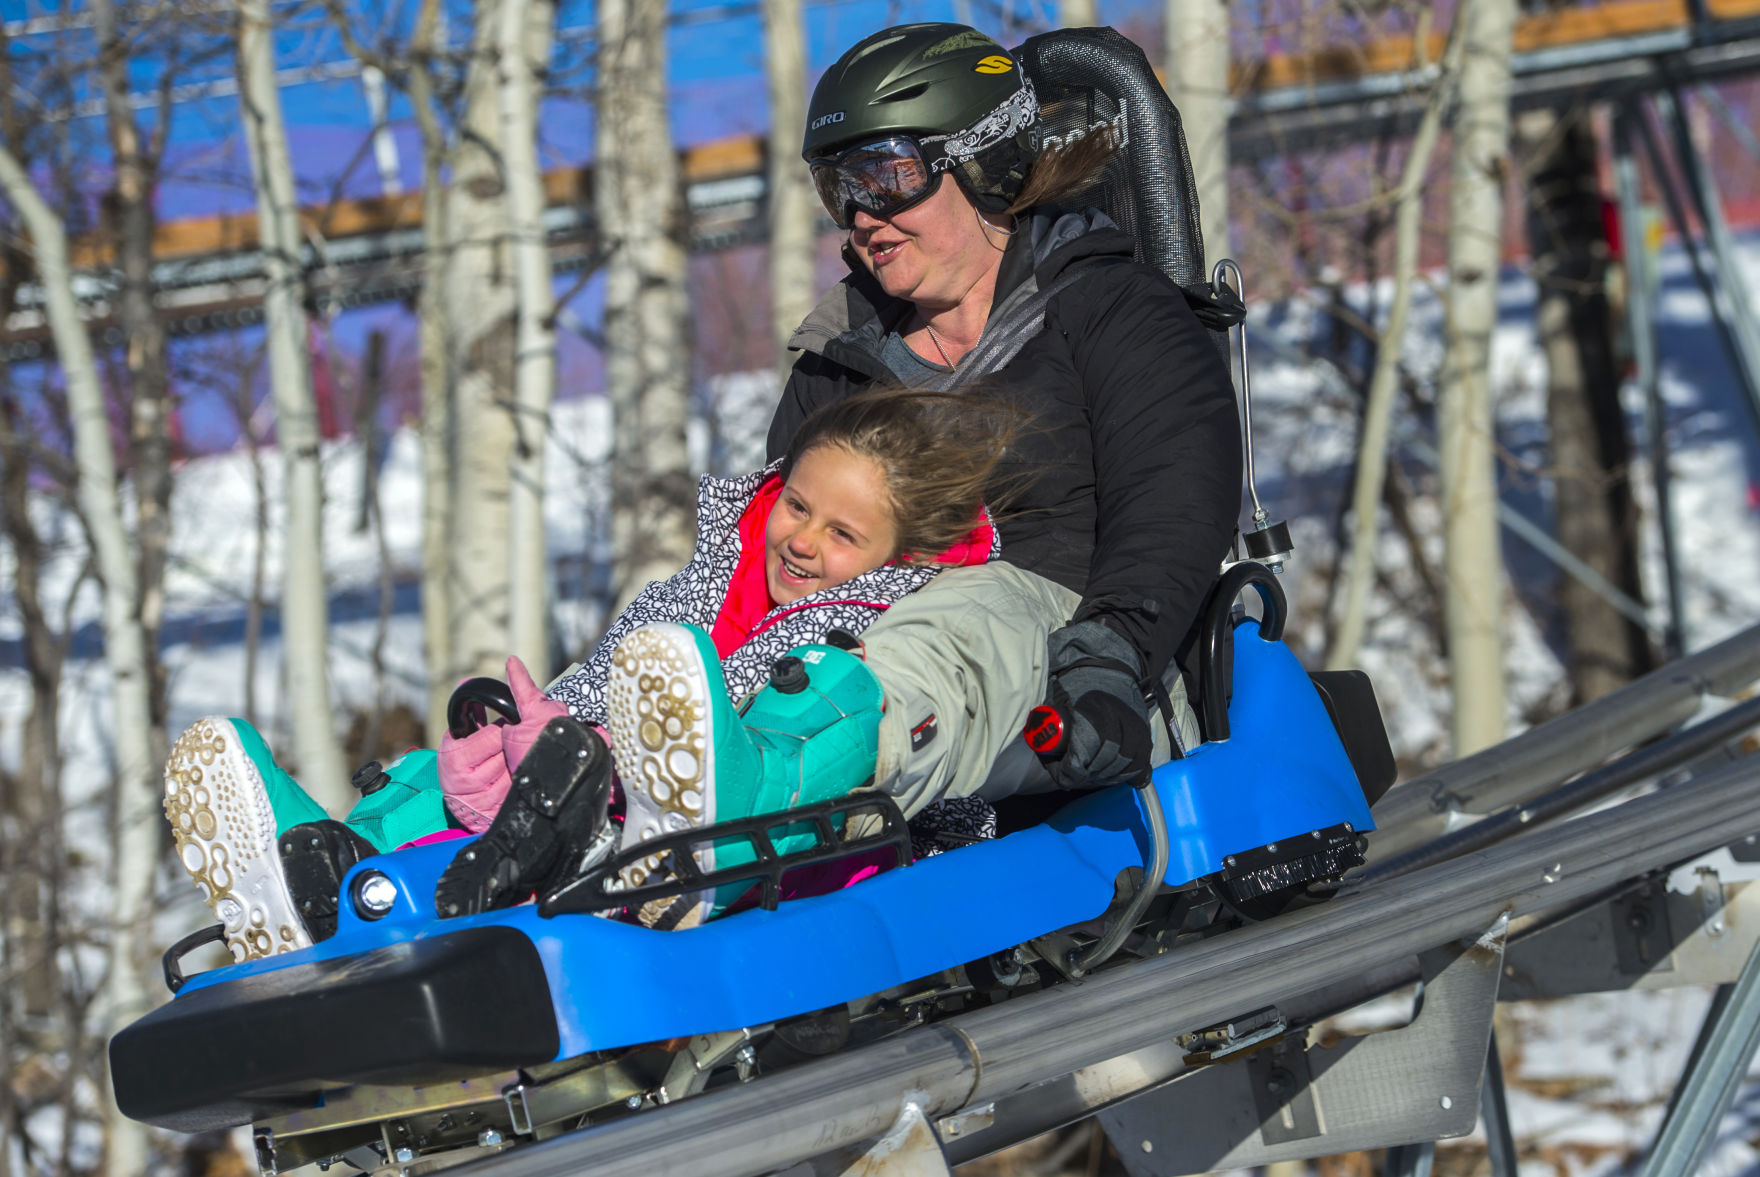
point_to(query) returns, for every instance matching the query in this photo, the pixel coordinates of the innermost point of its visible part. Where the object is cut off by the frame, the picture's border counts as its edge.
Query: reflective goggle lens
(882, 178)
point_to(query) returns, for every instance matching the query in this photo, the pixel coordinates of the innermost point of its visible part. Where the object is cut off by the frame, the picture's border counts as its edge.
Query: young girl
(827, 538)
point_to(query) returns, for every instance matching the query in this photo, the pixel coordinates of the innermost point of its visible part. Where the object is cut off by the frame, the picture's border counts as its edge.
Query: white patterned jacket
(694, 594)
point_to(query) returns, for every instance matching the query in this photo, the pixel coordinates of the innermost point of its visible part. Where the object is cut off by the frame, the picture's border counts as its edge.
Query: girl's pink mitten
(535, 710)
(474, 777)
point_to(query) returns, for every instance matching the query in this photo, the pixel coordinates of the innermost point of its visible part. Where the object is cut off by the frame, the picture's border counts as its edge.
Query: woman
(1137, 455)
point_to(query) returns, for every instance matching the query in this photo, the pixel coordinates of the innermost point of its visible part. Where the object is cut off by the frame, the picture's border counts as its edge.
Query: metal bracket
(1711, 902)
(1645, 939)
(264, 1141)
(964, 1123)
(1642, 935)
(1295, 1100)
(689, 1071)
(1219, 1043)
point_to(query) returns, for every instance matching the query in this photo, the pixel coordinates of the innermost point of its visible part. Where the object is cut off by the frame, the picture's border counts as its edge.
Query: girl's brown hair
(938, 452)
(1064, 171)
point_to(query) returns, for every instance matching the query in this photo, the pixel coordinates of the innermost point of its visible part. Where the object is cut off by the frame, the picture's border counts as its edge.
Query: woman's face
(832, 522)
(932, 253)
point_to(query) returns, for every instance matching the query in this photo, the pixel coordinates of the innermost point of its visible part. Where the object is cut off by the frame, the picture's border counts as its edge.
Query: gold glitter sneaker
(222, 803)
(688, 758)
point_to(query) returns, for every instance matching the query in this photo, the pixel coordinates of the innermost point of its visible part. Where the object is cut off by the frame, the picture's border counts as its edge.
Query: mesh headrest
(1095, 80)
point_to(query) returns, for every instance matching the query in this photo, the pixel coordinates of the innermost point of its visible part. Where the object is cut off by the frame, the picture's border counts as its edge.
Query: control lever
(1044, 732)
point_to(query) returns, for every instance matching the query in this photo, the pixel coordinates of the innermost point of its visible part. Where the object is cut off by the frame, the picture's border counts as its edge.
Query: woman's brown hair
(938, 452)
(1064, 171)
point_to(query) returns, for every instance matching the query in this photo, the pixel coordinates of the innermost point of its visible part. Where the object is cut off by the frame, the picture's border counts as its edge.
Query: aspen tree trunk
(30, 851)
(438, 395)
(304, 601)
(1078, 14)
(1472, 557)
(794, 207)
(131, 223)
(640, 206)
(384, 146)
(125, 648)
(1371, 476)
(32, 796)
(480, 317)
(253, 613)
(1594, 514)
(525, 57)
(1197, 81)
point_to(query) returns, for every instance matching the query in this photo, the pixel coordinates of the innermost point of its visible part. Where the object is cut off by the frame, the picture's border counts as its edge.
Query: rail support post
(1727, 1045)
(1500, 1144)
(1410, 1160)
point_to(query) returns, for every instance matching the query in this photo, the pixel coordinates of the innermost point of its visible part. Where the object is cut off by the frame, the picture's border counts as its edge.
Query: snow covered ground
(1589, 1075)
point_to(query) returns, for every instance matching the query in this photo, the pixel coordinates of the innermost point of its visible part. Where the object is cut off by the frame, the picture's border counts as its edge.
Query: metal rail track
(1051, 1057)
(1419, 810)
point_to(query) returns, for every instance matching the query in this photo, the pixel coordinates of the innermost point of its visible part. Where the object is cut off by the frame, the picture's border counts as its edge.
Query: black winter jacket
(1134, 453)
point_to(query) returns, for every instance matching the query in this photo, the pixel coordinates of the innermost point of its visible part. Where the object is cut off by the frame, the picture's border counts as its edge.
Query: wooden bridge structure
(364, 251)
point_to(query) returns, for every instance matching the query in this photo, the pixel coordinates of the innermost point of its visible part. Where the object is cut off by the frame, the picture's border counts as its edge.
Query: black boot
(314, 857)
(553, 817)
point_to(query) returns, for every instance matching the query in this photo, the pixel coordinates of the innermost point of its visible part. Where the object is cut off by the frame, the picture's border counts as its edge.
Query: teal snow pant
(962, 661)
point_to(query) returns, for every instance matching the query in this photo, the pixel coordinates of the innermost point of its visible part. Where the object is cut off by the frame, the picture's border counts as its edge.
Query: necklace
(936, 340)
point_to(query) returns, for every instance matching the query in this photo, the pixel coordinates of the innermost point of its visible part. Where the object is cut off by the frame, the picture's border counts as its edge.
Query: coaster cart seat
(407, 1040)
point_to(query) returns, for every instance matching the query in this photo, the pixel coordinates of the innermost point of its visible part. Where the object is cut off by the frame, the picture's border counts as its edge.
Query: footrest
(599, 888)
(431, 1010)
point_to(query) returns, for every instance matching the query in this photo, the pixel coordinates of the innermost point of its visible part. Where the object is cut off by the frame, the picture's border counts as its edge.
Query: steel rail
(1511, 772)
(996, 1053)
(1633, 768)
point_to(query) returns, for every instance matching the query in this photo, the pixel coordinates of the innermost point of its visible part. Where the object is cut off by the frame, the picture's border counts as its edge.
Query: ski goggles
(884, 177)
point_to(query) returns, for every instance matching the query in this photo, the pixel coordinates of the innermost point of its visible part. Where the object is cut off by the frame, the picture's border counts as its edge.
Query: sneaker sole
(660, 741)
(225, 832)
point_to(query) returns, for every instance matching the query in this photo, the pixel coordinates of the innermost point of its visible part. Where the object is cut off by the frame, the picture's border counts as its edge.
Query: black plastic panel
(1350, 701)
(432, 1010)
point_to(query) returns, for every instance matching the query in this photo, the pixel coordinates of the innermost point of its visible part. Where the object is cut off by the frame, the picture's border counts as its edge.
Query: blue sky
(717, 87)
(715, 67)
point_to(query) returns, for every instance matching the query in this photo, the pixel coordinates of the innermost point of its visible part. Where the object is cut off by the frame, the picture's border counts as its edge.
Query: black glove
(1096, 688)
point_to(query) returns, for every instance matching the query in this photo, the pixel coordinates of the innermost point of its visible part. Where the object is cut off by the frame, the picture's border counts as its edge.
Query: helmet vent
(864, 50)
(905, 95)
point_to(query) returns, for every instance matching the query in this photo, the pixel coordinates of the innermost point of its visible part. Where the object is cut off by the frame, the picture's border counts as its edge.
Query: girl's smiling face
(832, 522)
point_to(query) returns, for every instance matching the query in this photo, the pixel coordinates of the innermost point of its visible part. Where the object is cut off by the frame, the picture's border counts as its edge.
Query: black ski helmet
(958, 92)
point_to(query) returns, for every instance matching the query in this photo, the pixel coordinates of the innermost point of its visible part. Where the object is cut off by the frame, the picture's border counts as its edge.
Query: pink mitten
(535, 710)
(473, 776)
(477, 771)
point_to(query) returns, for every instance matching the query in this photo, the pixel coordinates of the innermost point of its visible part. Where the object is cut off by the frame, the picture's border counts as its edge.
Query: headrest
(1096, 81)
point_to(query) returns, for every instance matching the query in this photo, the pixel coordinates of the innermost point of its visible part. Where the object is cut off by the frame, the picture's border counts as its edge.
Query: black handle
(1214, 686)
(174, 978)
(469, 707)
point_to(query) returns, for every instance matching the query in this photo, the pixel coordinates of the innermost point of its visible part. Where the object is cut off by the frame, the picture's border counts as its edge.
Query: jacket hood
(854, 317)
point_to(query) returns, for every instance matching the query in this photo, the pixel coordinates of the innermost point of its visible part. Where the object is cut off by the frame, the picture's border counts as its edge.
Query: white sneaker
(225, 830)
(659, 709)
